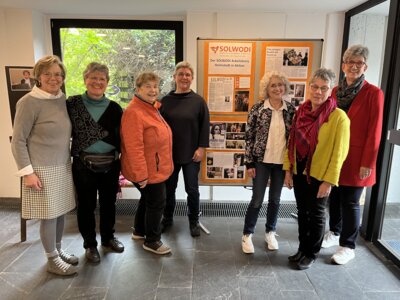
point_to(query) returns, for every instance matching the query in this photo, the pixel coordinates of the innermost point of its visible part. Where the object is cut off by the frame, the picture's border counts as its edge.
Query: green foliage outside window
(127, 53)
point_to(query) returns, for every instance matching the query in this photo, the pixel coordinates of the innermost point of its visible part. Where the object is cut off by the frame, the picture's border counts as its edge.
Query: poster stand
(228, 76)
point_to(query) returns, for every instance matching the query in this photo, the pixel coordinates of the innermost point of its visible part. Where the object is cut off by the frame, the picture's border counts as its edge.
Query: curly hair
(264, 83)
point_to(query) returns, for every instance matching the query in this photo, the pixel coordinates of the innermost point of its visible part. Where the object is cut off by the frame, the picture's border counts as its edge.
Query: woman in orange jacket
(146, 159)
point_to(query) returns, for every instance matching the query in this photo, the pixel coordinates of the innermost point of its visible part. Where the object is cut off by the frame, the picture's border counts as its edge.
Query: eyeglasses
(358, 64)
(315, 88)
(55, 75)
(276, 85)
(95, 78)
(181, 74)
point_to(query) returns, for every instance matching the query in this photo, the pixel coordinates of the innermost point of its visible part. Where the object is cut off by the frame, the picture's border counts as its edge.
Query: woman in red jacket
(363, 103)
(146, 160)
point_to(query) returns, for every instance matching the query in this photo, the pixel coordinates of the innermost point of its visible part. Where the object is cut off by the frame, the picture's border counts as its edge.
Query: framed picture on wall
(21, 78)
(19, 82)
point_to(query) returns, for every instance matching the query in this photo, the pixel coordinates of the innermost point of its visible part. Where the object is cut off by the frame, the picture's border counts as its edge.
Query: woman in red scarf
(318, 146)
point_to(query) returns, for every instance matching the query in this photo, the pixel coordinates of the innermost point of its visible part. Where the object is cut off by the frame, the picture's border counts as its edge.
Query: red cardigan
(146, 143)
(365, 116)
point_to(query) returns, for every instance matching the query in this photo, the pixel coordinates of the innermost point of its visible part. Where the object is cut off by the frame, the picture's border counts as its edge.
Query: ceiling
(176, 7)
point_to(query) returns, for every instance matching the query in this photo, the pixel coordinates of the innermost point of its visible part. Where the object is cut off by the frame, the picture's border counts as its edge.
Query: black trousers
(344, 214)
(88, 185)
(191, 180)
(150, 210)
(311, 214)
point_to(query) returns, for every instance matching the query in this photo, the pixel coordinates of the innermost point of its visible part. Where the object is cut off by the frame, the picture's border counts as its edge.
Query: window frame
(57, 24)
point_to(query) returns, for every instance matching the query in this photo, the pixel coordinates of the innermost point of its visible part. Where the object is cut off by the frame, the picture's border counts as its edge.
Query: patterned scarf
(304, 131)
(345, 94)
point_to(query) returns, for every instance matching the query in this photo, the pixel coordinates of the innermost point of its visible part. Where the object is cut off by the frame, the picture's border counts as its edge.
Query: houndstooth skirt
(56, 198)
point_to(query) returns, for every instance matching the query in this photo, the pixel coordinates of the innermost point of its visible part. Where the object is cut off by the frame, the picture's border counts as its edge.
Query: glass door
(390, 233)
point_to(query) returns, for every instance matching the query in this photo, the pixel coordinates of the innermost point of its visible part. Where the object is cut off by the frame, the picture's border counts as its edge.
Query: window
(126, 47)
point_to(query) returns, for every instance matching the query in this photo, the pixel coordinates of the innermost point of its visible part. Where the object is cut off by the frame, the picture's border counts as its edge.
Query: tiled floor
(210, 267)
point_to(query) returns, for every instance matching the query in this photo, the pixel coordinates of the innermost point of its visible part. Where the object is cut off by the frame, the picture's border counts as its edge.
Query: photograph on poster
(225, 165)
(21, 79)
(241, 101)
(217, 135)
(227, 135)
(297, 93)
(295, 57)
(236, 127)
(293, 61)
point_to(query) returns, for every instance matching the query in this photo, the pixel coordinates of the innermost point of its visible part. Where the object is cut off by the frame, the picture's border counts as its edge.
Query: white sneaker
(67, 257)
(343, 255)
(271, 240)
(330, 239)
(57, 266)
(247, 244)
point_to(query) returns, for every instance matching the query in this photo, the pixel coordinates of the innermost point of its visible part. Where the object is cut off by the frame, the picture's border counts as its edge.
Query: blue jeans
(190, 176)
(344, 214)
(263, 173)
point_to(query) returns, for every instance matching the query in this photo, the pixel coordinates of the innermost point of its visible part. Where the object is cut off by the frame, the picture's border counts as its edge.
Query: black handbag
(98, 162)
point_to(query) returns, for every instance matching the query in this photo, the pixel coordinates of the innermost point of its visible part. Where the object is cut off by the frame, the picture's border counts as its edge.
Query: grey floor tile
(173, 293)
(214, 276)
(11, 252)
(333, 282)
(382, 280)
(10, 292)
(255, 288)
(382, 295)
(300, 295)
(257, 264)
(51, 287)
(92, 293)
(135, 279)
(176, 273)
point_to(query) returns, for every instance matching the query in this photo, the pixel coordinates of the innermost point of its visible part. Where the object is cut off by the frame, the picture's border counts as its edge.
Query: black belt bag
(98, 162)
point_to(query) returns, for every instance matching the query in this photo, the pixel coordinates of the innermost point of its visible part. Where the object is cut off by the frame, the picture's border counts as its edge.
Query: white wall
(16, 49)
(25, 36)
(370, 30)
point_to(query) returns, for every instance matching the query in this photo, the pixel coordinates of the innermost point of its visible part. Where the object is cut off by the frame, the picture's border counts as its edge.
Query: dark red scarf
(303, 135)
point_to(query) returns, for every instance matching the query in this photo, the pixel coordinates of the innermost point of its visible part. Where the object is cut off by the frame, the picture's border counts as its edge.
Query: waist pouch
(98, 162)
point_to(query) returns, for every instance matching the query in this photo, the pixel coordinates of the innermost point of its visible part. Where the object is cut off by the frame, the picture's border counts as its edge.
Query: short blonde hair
(146, 77)
(184, 64)
(43, 64)
(264, 83)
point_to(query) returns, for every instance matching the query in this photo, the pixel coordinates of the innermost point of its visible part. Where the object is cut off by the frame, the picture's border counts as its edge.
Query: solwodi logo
(230, 49)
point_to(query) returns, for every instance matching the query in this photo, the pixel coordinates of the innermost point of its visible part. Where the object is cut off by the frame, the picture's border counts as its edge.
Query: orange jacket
(146, 143)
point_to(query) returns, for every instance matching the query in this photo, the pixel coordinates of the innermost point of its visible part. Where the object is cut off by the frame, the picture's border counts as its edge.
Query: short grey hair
(356, 50)
(184, 64)
(146, 77)
(95, 66)
(324, 74)
(264, 83)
